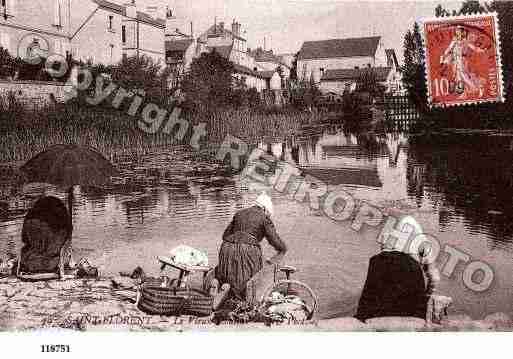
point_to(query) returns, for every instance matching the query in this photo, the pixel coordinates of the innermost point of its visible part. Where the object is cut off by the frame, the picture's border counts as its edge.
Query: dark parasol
(67, 166)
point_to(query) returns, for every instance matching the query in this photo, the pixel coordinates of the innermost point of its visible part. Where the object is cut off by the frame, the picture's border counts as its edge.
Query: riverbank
(95, 305)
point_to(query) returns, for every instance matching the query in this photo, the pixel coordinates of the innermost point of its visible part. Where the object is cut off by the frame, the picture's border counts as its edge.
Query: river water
(458, 187)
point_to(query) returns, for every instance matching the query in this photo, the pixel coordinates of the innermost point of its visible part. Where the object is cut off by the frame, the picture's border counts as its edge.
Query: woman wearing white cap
(400, 279)
(240, 255)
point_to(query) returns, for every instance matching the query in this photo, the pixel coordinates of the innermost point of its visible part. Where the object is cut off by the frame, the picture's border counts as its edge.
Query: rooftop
(353, 74)
(219, 29)
(178, 45)
(351, 47)
(121, 9)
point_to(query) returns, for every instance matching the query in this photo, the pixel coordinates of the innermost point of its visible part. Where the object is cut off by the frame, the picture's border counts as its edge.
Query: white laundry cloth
(189, 256)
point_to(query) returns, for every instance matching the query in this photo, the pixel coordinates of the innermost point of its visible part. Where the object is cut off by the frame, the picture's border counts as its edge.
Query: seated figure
(46, 237)
(399, 283)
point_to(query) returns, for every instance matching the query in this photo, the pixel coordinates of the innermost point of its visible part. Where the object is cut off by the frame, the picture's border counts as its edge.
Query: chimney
(192, 31)
(169, 13)
(152, 11)
(171, 24)
(234, 28)
(131, 9)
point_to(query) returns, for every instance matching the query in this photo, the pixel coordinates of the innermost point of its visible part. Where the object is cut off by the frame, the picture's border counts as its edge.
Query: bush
(8, 64)
(143, 74)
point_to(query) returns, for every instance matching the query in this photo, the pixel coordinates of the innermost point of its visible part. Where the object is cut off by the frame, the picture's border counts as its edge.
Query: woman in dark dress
(46, 235)
(240, 255)
(399, 282)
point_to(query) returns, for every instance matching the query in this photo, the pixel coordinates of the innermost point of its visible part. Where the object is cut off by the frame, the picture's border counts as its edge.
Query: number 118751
(51, 348)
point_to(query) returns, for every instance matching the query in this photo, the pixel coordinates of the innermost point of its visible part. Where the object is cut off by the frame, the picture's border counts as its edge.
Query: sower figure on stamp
(460, 48)
(240, 255)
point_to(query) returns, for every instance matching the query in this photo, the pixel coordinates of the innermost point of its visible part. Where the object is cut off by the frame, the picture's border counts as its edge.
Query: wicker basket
(157, 300)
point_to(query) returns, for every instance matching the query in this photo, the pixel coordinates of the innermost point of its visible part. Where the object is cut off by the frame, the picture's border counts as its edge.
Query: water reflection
(466, 178)
(460, 187)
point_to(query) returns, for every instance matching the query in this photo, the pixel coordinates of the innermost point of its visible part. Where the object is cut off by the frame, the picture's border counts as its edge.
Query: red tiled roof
(120, 9)
(141, 16)
(354, 74)
(224, 51)
(247, 71)
(361, 46)
(264, 56)
(144, 17)
(220, 30)
(266, 74)
(178, 45)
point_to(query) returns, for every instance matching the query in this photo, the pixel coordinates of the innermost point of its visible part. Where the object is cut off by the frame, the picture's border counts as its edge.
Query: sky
(286, 24)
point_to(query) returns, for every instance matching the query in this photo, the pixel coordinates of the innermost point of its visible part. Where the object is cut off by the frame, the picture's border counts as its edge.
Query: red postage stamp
(463, 60)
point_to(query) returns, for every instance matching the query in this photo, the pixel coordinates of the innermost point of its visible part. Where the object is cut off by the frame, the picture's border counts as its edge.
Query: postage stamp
(463, 60)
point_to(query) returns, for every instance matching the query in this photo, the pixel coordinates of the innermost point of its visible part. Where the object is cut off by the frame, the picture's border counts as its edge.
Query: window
(123, 34)
(57, 16)
(111, 18)
(4, 41)
(111, 53)
(57, 47)
(7, 7)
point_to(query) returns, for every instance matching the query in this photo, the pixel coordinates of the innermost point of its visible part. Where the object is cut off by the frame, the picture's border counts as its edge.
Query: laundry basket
(157, 300)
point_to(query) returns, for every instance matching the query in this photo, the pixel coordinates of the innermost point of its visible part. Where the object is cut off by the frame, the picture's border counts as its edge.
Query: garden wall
(35, 94)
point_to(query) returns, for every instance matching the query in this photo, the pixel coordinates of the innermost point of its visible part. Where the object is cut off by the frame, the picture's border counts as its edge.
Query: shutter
(57, 47)
(57, 12)
(65, 47)
(11, 7)
(5, 41)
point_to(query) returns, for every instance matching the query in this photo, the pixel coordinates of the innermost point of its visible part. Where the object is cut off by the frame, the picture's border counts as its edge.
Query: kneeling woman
(240, 255)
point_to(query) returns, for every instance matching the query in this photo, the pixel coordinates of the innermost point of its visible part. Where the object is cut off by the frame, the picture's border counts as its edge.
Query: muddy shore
(94, 305)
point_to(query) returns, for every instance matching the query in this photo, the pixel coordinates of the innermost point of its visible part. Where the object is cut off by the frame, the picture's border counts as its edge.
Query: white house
(232, 45)
(96, 30)
(345, 80)
(315, 57)
(266, 60)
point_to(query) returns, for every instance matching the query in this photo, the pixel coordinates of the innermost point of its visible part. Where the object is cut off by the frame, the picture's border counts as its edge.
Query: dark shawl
(394, 287)
(46, 228)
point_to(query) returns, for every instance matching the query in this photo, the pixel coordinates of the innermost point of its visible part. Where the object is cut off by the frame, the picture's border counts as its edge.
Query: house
(346, 80)
(95, 30)
(316, 57)
(217, 36)
(181, 47)
(233, 46)
(143, 34)
(266, 60)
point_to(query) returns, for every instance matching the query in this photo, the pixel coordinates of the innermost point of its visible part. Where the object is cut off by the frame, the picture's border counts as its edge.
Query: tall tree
(471, 7)
(440, 11)
(209, 82)
(413, 68)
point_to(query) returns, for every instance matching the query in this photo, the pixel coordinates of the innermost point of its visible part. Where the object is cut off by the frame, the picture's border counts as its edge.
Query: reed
(24, 133)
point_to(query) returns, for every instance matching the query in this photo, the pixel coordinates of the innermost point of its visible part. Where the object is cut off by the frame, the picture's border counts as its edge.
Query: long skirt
(238, 263)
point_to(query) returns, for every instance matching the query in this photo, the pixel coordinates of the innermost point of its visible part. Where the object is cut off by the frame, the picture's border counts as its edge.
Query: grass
(24, 133)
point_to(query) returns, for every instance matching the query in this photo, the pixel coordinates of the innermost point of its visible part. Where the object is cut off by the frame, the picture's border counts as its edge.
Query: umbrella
(67, 166)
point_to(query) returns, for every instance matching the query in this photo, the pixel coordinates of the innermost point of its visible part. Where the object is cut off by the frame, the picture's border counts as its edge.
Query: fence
(400, 112)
